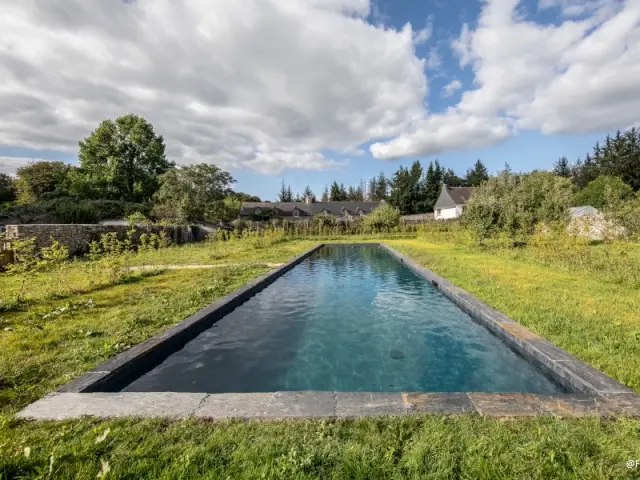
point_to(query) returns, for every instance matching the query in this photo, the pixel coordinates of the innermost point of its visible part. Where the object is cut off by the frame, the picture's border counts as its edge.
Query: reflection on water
(348, 318)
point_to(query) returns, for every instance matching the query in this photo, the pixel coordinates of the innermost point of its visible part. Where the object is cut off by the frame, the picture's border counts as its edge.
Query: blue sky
(322, 90)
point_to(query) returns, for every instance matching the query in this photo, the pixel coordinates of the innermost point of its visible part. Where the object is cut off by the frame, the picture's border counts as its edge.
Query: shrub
(602, 191)
(385, 218)
(514, 204)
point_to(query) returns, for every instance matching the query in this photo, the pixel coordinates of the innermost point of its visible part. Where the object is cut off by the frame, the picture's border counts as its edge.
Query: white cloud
(449, 131)
(261, 84)
(579, 76)
(451, 87)
(423, 35)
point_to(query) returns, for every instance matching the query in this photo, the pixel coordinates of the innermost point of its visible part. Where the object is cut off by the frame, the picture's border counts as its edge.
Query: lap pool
(347, 318)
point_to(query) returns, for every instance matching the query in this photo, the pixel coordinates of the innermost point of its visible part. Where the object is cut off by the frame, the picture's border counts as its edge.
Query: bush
(385, 218)
(514, 204)
(602, 191)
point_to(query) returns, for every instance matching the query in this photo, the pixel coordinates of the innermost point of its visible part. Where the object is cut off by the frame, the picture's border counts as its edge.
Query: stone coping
(595, 392)
(325, 404)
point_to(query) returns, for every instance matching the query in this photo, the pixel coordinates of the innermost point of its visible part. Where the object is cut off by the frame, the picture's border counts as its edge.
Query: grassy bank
(58, 334)
(411, 448)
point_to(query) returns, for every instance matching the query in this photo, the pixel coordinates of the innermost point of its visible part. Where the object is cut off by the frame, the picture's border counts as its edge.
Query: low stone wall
(78, 237)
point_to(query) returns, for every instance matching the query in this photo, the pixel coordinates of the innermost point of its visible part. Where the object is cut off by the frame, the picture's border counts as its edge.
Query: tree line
(123, 168)
(411, 190)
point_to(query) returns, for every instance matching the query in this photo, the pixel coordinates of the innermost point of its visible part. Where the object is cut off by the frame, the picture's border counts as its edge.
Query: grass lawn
(594, 319)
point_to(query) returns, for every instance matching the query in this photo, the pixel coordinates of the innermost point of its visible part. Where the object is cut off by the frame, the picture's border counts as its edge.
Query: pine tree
(351, 193)
(308, 193)
(450, 178)
(372, 190)
(562, 168)
(432, 187)
(325, 194)
(283, 195)
(382, 187)
(476, 175)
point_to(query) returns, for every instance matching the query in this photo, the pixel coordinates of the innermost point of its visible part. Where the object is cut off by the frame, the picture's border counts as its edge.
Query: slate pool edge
(599, 395)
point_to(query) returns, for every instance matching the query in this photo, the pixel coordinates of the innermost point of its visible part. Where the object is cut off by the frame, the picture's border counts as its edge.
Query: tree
(338, 193)
(618, 157)
(432, 186)
(42, 179)
(121, 160)
(603, 190)
(562, 168)
(308, 193)
(382, 187)
(476, 175)
(7, 188)
(245, 197)
(285, 195)
(450, 178)
(382, 219)
(193, 193)
(325, 194)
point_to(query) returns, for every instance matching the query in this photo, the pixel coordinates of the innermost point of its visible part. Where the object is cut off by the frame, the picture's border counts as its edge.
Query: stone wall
(78, 237)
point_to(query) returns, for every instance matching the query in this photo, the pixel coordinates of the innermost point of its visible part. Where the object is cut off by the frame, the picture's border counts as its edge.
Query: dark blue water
(348, 318)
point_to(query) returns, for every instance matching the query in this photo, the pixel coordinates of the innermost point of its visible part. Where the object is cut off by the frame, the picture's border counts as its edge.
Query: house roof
(584, 211)
(450, 197)
(460, 195)
(308, 209)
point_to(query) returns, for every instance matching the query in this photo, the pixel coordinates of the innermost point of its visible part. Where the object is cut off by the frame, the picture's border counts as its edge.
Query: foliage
(477, 175)
(230, 208)
(338, 193)
(378, 188)
(325, 194)
(70, 210)
(245, 197)
(7, 188)
(514, 204)
(407, 190)
(41, 180)
(562, 168)
(192, 193)
(384, 218)
(121, 160)
(285, 194)
(604, 189)
(432, 186)
(618, 156)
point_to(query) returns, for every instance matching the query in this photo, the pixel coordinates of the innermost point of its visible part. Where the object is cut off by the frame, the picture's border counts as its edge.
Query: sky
(311, 91)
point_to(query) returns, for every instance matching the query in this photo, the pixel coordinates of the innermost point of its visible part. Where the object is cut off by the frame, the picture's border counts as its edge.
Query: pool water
(348, 318)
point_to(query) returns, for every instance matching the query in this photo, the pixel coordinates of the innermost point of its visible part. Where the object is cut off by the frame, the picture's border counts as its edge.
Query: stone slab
(439, 403)
(234, 405)
(507, 404)
(358, 404)
(61, 406)
(570, 405)
(309, 404)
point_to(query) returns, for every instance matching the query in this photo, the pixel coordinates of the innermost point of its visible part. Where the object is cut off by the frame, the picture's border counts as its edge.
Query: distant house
(302, 210)
(451, 201)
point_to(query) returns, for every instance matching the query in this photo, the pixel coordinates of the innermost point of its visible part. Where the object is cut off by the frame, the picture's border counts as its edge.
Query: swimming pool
(347, 318)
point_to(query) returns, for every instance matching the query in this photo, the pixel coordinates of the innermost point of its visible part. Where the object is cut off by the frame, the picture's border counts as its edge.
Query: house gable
(444, 200)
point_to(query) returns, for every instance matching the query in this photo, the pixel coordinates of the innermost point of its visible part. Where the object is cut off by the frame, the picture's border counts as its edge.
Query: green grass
(411, 447)
(595, 319)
